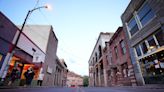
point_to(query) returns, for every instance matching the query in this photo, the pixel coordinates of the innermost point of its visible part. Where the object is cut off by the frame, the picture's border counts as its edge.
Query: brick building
(143, 22)
(74, 80)
(64, 72)
(119, 67)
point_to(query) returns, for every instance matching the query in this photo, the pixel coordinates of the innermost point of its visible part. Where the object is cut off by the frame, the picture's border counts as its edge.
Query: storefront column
(105, 77)
(4, 68)
(99, 75)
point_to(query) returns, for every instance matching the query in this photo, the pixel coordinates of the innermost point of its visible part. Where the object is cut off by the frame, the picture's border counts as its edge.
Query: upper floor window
(123, 48)
(100, 52)
(145, 13)
(116, 52)
(93, 59)
(107, 61)
(132, 26)
(110, 58)
(96, 56)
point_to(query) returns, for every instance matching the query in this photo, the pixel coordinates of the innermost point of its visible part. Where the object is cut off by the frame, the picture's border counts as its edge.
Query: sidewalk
(150, 86)
(20, 87)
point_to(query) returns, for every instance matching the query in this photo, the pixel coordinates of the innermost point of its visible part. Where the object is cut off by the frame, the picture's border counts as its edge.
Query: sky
(76, 23)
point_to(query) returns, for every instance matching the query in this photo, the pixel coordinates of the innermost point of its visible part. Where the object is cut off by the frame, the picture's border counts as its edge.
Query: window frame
(130, 29)
(150, 10)
(123, 48)
(140, 49)
(116, 52)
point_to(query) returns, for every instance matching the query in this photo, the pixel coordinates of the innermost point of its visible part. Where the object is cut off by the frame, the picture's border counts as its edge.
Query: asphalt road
(82, 90)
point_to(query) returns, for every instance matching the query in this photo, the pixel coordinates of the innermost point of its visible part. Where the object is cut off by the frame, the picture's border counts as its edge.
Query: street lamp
(5, 67)
(29, 12)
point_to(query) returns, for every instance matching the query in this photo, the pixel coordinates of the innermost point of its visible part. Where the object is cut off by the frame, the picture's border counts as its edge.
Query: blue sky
(76, 23)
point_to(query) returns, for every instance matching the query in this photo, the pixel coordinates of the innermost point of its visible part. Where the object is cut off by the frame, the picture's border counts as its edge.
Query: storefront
(22, 65)
(152, 67)
(25, 56)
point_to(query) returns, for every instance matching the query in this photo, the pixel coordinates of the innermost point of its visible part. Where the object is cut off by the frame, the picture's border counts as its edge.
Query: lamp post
(21, 30)
(10, 54)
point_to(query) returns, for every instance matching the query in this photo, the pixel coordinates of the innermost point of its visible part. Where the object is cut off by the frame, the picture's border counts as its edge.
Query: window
(123, 48)
(145, 14)
(96, 56)
(116, 52)
(94, 60)
(151, 41)
(160, 37)
(107, 61)
(144, 47)
(100, 53)
(132, 25)
(110, 58)
(138, 51)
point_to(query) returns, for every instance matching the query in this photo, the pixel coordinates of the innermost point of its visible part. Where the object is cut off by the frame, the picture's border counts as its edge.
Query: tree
(85, 81)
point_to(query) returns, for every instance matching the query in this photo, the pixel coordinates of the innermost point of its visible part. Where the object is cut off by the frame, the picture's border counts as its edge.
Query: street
(112, 89)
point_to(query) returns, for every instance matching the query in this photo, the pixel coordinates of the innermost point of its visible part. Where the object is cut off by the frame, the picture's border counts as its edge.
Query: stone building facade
(143, 23)
(97, 66)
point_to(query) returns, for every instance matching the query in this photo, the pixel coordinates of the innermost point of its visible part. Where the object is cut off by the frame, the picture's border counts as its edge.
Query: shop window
(123, 48)
(145, 14)
(138, 50)
(151, 41)
(160, 37)
(132, 25)
(144, 48)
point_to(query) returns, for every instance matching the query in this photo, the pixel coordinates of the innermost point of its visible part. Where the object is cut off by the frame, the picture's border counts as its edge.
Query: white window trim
(128, 30)
(139, 18)
(147, 44)
(156, 42)
(137, 21)
(141, 50)
(136, 51)
(138, 25)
